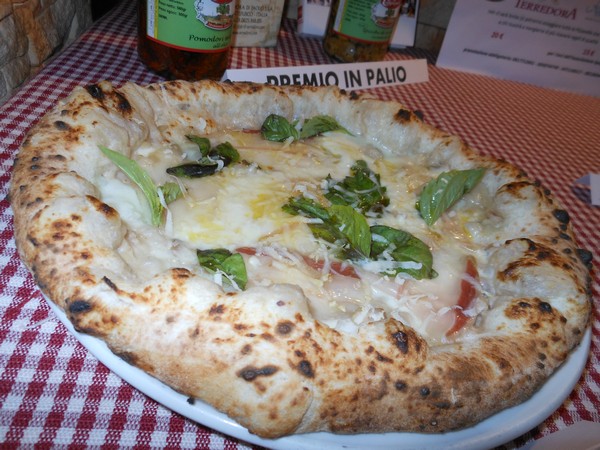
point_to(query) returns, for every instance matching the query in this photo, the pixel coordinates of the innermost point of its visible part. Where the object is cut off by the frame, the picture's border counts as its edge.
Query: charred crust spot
(502, 363)
(36, 201)
(354, 96)
(102, 207)
(564, 236)
(79, 306)
(33, 240)
(250, 373)
(179, 273)
(441, 405)
(128, 357)
(110, 284)
(62, 126)
(35, 167)
(123, 103)
(246, 349)
(400, 339)
(585, 256)
(545, 307)
(419, 114)
(561, 215)
(514, 188)
(542, 255)
(305, 368)
(285, 327)
(267, 337)
(216, 309)
(424, 391)
(95, 91)
(532, 246)
(536, 255)
(383, 358)
(191, 400)
(403, 115)
(400, 385)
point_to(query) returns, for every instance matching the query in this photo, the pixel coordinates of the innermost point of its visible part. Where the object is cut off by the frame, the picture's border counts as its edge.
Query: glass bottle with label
(361, 30)
(186, 39)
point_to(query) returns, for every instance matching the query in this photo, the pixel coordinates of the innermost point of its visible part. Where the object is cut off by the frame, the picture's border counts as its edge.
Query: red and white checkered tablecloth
(55, 394)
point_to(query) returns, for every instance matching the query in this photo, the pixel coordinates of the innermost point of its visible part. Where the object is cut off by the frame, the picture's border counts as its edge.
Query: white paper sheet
(549, 43)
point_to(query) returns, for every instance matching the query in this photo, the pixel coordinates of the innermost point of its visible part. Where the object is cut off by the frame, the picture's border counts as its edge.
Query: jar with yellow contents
(361, 30)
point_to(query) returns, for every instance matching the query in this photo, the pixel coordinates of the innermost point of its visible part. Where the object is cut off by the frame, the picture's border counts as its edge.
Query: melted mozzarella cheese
(241, 207)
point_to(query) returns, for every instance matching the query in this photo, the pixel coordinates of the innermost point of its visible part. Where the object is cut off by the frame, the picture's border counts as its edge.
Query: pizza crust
(259, 355)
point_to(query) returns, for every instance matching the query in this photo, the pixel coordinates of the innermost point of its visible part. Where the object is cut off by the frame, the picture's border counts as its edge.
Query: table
(54, 393)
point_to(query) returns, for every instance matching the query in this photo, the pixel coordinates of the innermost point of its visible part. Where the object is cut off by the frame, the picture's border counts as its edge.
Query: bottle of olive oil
(361, 30)
(185, 39)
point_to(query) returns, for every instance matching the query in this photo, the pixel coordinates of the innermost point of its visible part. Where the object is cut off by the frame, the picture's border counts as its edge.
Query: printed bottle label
(370, 21)
(192, 25)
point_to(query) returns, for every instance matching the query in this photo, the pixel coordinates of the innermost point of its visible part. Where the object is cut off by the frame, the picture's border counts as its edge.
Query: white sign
(549, 43)
(592, 180)
(346, 76)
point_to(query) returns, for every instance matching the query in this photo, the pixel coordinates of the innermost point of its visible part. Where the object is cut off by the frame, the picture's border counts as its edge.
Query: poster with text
(549, 43)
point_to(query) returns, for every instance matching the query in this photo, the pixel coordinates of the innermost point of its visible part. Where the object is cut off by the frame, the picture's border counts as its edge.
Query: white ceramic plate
(496, 430)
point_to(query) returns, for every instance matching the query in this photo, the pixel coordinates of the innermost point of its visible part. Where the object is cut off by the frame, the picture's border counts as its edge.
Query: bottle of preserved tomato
(185, 39)
(361, 30)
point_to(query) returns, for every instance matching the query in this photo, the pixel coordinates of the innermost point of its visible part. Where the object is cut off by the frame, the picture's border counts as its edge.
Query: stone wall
(31, 32)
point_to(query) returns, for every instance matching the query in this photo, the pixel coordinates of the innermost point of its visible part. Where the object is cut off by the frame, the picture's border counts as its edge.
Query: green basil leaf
(141, 178)
(171, 191)
(361, 190)
(222, 260)
(193, 170)
(320, 124)
(342, 225)
(212, 160)
(225, 152)
(443, 192)
(306, 207)
(328, 233)
(349, 230)
(409, 254)
(354, 227)
(277, 128)
(202, 143)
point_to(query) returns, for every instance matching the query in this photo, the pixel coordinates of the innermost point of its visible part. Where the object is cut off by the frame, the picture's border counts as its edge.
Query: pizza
(300, 258)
